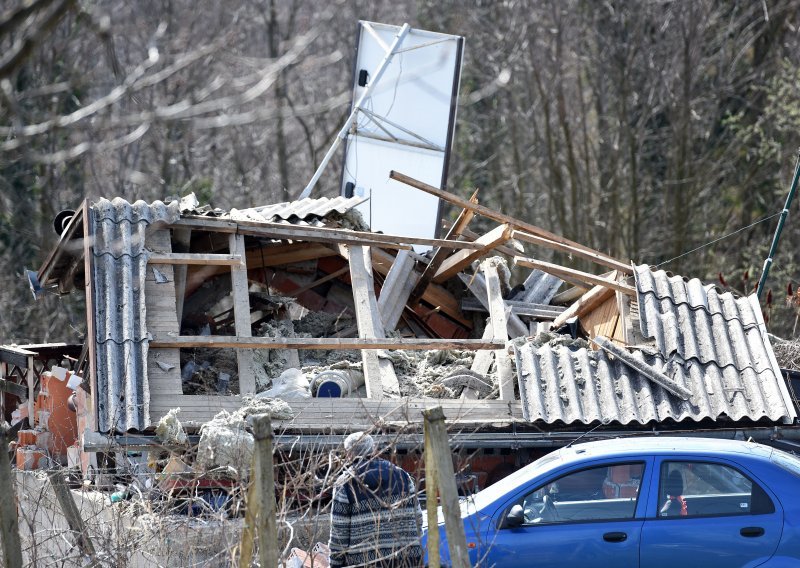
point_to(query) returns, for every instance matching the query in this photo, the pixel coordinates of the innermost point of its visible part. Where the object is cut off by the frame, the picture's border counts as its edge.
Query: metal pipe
(779, 229)
(356, 107)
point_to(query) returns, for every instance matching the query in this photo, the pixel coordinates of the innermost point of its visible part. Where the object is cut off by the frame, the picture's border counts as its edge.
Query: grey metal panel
(540, 288)
(119, 264)
(575, 384)
(712, 343)
(303, 209)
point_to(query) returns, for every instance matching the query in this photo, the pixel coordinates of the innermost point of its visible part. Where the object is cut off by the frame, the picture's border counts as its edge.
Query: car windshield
(787, 461)
(504, 486)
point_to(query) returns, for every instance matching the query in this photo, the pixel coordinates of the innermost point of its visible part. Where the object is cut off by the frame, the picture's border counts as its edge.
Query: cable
(718, 240)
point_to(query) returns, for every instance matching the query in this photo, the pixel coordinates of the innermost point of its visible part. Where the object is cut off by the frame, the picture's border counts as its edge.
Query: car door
(709, 513)
(589, 517)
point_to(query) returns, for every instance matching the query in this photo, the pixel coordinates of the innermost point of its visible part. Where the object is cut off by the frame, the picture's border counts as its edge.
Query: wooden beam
(241, 314)
(323, 343)
(435, 294)
(477, 285)
(182, 240)
(91, 337)
(12, 388)
(441, 253)
(563, 271)
(516, 223)
(396, 290)
(315, 234)
(320, 281)
(195, 258)
(71, 513)
(595, 257)
(379, 374)
(585, 304)
(63, 243)
(497, 315)
(644, 369)
(460, 260)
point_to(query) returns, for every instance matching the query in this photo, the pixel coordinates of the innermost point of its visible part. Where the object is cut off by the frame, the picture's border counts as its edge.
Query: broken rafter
(194, 258)
(643, 368)
(571, 273)
(548, 237)
(585, 304)
(462, 259)
(324, 343)
(441, 253)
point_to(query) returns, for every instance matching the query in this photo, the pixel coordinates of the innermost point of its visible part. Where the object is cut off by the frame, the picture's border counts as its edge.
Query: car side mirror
(514, 518)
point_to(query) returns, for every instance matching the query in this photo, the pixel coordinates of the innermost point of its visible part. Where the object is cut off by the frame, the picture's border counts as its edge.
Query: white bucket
(335, 383)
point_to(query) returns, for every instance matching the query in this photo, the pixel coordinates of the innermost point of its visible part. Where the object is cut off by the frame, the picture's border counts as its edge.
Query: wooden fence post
(70, 510)
(260, 517)
(9, 522)
(439, 469)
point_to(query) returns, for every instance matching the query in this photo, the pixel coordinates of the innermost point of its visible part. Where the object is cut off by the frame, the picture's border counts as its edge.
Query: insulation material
(169, 428)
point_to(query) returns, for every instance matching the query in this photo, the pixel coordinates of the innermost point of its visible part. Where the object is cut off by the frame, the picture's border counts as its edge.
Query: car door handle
(616, 536)
(751, 531)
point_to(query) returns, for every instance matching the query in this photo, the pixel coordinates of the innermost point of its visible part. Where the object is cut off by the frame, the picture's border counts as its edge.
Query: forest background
(646, 129)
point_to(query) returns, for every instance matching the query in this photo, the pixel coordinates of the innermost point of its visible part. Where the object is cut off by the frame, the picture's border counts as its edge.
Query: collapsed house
(299, 304)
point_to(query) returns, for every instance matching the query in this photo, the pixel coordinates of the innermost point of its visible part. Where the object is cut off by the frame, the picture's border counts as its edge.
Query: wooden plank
(323, 343)
(585, 304)
(497, 314)
(316, 234)
(562, 272)
(516, 223)
(71, 513)
(12, 388)
(483, 358)
(477, 285)
(195, 258)
(396, 290)
(64, 244)
(602, 320)
(182, 240)
(441, 253)
(9, 519)
(435, 294)
(348, 414)
(320, 281)
(460, 260)
(543, 311)
(91, 336)
(379, 375)
(595, 257)
(241, 314)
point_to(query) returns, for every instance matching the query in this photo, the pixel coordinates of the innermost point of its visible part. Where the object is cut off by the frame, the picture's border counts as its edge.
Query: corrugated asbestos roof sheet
(304, 211)
(119, 263)
(714, 344)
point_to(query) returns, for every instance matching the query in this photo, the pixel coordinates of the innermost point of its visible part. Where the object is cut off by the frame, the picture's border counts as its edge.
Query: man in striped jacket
(375, 515)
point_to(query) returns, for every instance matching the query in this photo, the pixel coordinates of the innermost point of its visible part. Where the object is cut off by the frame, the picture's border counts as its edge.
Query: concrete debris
(225, 441)
(170, 430)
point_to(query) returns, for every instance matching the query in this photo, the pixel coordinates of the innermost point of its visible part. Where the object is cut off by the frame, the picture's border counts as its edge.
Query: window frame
(657, 481)
(644, 484)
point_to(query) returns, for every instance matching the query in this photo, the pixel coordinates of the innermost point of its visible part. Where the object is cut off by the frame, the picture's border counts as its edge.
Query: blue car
(641, 502)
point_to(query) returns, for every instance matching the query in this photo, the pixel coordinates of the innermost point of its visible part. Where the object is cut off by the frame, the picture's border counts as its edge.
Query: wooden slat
(91, 337)
(241, 314)
(379, 374)
(349, 414)
(396, 290)
(329, 343)
(585, 304)
(441, 253)
(516, 223)
(477, 285)
(435, 294)
(498, 322)
(562, 272)
(460, 260)
(320, 281)
(195, 258)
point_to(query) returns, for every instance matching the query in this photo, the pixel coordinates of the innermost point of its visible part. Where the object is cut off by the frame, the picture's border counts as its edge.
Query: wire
(723, 237)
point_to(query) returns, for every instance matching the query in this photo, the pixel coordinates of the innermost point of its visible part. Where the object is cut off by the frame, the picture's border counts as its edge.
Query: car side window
(599, 493)
(699, 489)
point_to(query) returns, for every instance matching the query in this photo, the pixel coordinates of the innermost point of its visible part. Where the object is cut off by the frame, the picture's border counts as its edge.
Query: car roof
(663, 445)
